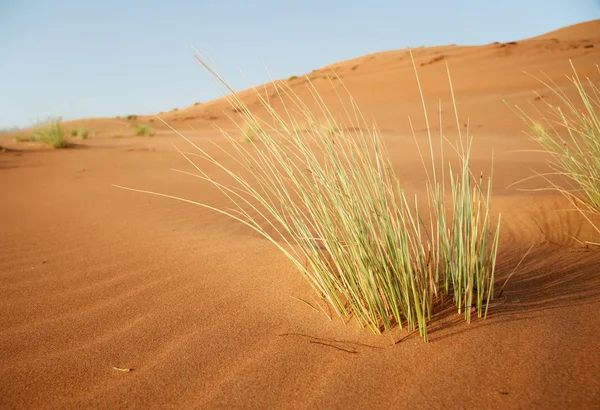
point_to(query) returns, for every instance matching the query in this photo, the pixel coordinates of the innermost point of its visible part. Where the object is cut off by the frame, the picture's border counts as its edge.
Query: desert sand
(95, 280)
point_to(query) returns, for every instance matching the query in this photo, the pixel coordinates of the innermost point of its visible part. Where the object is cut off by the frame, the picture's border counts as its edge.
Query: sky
(78, 59)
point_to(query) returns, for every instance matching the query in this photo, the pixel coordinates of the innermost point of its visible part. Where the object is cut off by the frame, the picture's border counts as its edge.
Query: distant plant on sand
(74, 133)
(144, 130)
(336, 209)
(251, 131)
(51, 133)
(132, 117)
(22, 138)
(571, 137)
(83, 134)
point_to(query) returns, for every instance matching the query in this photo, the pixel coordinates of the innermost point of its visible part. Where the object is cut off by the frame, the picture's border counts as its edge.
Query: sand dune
(95, 280)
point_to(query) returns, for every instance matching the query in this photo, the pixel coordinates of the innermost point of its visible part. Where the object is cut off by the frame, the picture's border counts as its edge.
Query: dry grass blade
(571, 137)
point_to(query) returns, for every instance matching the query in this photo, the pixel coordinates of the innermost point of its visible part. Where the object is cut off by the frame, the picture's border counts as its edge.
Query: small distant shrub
(132, 117)
(21, 138)
(197, 103)
(84, 134)
(74, 133)
(144, 130)
(51, 133)
(251, 131)
(292, 77)
(174, 109)
(512, 43)
(151, 120)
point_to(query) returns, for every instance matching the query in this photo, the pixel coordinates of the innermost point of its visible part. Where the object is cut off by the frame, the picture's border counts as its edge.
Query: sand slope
(206, 313)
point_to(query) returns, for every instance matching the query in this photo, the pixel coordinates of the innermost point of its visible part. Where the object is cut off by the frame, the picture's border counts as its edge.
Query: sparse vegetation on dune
(131, 117)
(250, 131)
(144, 130)
(336, 209)
(22, 138)
(50, 132)
(571, 137)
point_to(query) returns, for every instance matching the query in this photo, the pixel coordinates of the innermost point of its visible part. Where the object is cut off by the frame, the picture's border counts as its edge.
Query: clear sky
(87, 58)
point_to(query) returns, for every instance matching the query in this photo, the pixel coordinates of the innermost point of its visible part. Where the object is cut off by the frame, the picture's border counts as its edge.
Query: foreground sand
(206, 313)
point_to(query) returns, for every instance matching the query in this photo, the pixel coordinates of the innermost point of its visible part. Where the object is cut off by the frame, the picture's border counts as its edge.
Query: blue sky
(77, 58)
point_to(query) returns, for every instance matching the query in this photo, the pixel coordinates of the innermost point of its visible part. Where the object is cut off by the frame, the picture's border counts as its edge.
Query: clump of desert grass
(22, 138)
(570, 135)
(50, 132)
(336, 209)
(250, 131)
(141, 129)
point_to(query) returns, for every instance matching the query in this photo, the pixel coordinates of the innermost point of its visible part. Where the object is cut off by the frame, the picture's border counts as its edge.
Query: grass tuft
(22, 138)
(571, 138)
(144, 130)
(84, 134)
(335, 208)
(51, 133)
(250, 132)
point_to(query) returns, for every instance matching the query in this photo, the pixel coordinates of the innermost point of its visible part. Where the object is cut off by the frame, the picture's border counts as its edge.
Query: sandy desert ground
(206, 312)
